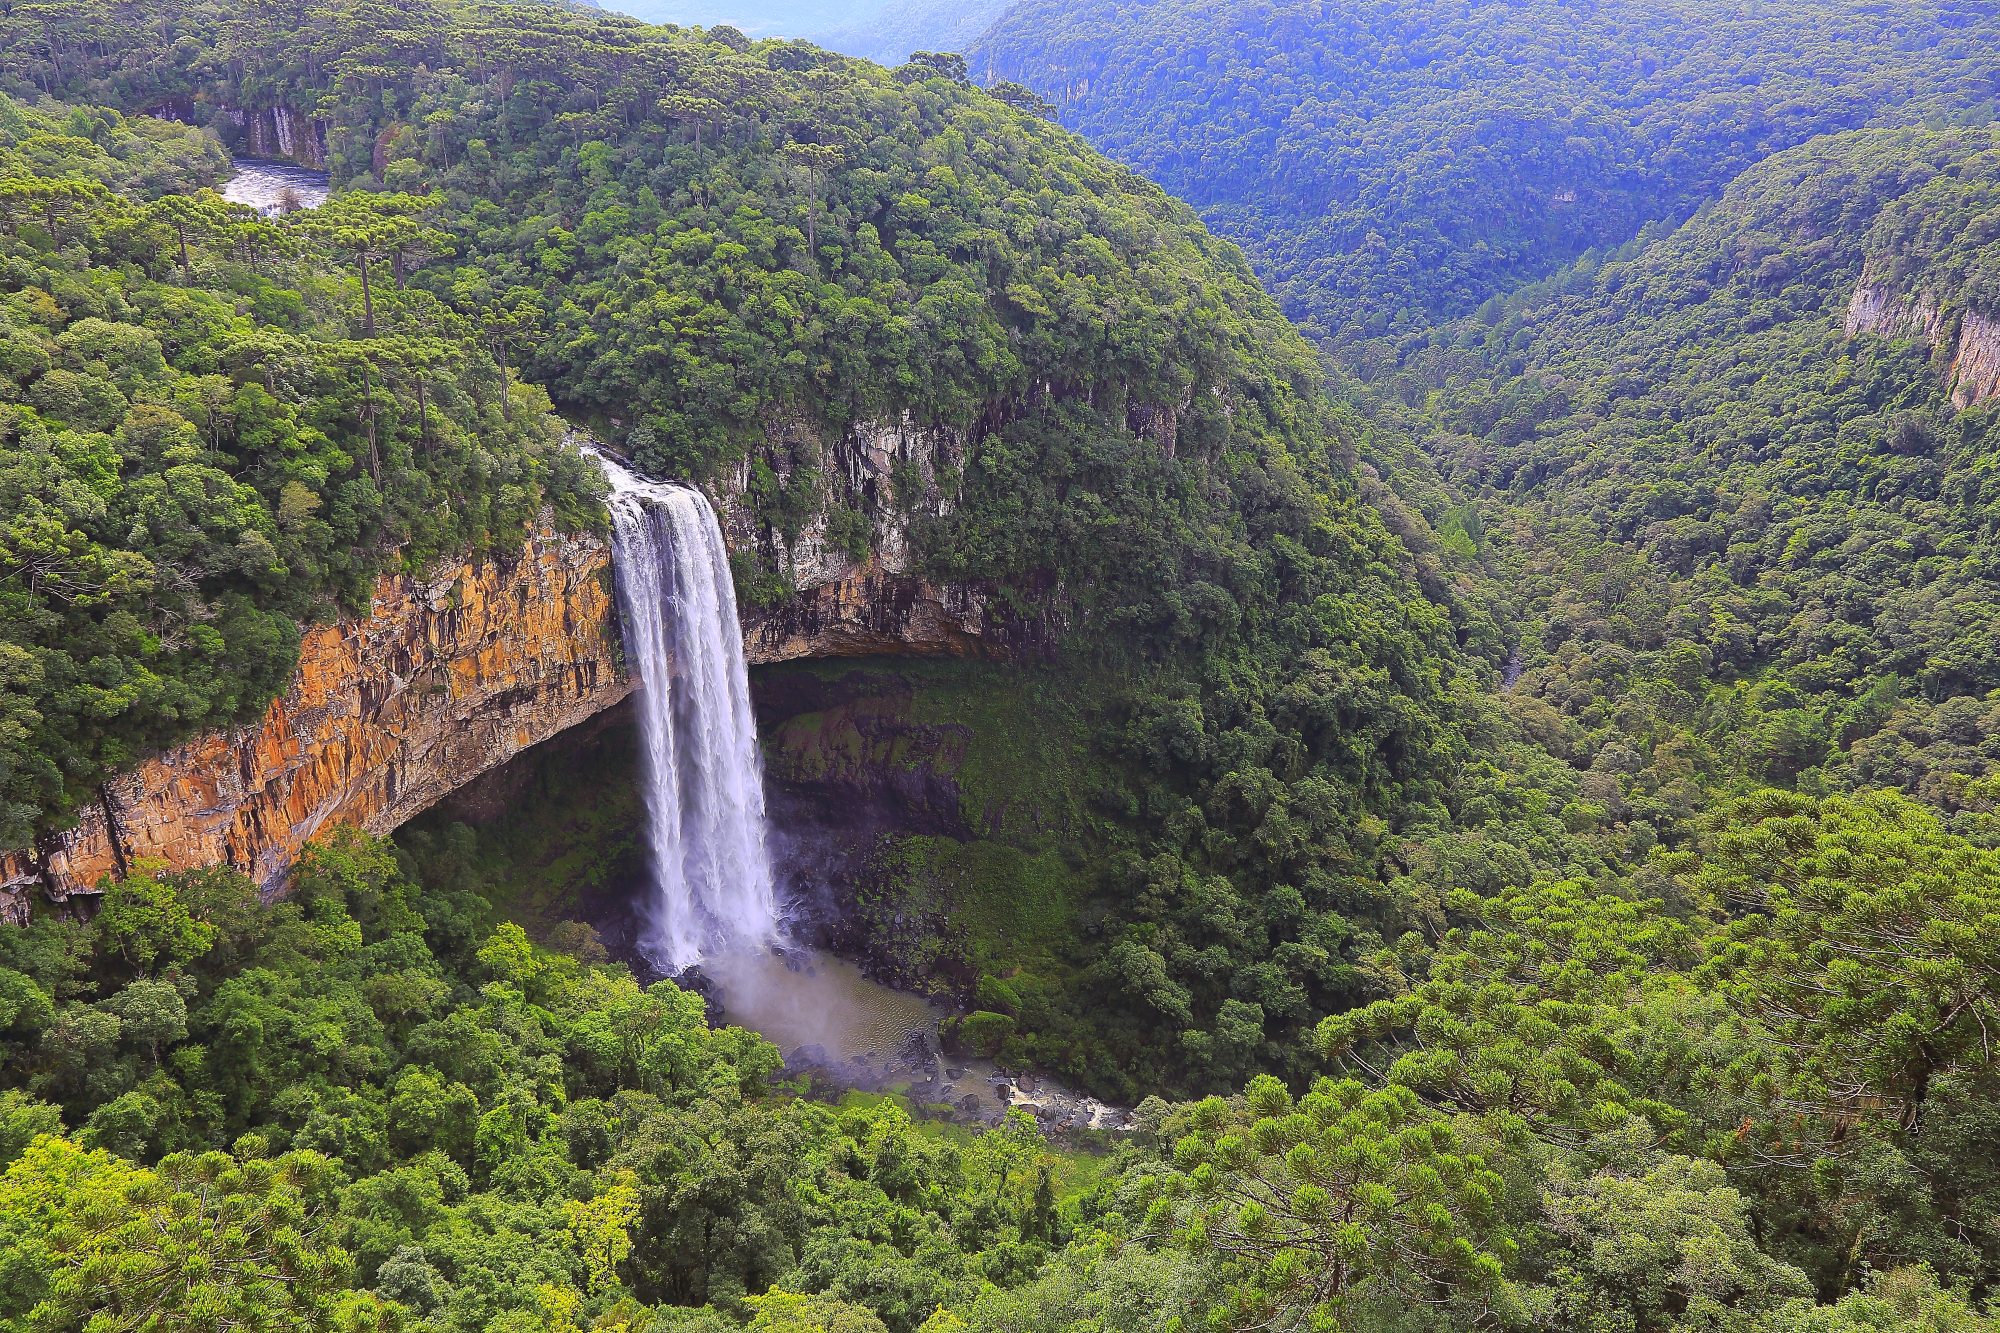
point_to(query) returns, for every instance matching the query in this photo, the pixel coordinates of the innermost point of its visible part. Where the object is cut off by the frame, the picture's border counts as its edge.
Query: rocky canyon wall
(879, 479)
(453, 674)
(446, 678)
(1973, 373)
(281, 131)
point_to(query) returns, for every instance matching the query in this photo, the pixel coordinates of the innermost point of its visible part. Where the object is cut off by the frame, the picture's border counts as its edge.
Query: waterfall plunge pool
(710, 911)
(836, 1026)
(275, 188)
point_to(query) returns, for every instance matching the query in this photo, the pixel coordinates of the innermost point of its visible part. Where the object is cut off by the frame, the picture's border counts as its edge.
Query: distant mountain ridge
(1391, 162)
(885, 31)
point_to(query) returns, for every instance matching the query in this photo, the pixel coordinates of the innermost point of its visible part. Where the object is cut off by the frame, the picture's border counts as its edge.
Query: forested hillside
(1742, 540)
(1545, 789)
(210, 432)
(1389, 163)
(686, 238)
(367, 1107)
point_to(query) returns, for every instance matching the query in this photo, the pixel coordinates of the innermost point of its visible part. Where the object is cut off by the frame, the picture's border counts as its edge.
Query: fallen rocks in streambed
(1058, 1108)
(841, 1031)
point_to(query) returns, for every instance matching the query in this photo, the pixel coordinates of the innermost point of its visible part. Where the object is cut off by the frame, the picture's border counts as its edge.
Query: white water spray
(712, 882)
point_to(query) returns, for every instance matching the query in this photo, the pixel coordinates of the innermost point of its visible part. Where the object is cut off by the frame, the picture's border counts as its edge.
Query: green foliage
(1600, 1059)
(1334, 1210)
(208, 437)
(430, 1120)
(1649, 1241)
(728, 254)
(1865, 940)
(1579, 1107)
(1394, 162)
(1735, 541)
(1538, 1009)
(1903, 1298)
(200, 1240)
(1807, 1004)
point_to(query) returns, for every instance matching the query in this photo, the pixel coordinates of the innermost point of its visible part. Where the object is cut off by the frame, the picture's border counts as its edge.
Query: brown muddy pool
(830, 1019)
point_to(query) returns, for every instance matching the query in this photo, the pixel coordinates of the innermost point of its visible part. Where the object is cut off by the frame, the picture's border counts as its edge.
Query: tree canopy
(1391, 163)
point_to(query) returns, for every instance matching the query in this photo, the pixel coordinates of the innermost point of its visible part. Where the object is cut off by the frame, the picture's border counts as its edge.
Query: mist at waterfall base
(710, 913)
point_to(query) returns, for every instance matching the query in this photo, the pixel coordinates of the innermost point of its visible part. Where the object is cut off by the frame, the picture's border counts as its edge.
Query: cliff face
(281, 131)
(878, 480)
(1974, 339)
(448, 677)
(451, 676)
(1877, 308)
(870, 610)
(1975, 365)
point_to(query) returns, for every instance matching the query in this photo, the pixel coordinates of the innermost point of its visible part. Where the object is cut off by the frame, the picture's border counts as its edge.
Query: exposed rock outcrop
(870, 610)
(1975, 365)
(1878, 308)
(450, 676)
(280, 131)
(879, 479)
(447, 677)
(1973, 374)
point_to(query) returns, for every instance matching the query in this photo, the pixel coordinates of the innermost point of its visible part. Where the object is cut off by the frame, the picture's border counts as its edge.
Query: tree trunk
(368, 415)
(500, 355)
(367, 300)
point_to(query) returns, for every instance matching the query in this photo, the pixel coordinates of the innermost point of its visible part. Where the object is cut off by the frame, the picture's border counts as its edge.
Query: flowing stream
(273, 188)
(712, 884)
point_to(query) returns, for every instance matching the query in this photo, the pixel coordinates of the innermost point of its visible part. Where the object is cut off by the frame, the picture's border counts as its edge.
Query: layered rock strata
(1973, 339)
(447, 677)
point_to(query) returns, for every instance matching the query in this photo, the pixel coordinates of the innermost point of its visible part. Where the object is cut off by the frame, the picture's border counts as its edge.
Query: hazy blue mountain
(886, 31)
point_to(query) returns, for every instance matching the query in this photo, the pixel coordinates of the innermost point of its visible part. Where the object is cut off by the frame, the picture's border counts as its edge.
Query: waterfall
(712, 883)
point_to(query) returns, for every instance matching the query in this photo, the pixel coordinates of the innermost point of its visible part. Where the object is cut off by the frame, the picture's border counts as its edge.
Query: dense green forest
(1738, 543)
(682, 236)
(1522, 826)
(365, 1106)
(1387, 163)
(210, 432)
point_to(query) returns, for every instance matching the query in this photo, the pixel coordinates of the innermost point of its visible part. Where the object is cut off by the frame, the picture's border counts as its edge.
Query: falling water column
(704, 782)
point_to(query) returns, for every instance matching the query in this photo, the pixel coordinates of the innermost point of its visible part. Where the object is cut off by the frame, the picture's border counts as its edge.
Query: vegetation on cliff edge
(212, 431)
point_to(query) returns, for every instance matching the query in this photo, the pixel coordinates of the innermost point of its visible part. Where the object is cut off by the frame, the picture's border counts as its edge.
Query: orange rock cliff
(453, 673)
(448, 676)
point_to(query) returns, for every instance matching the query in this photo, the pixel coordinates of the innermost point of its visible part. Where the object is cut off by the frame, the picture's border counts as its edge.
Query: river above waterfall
(275, 188)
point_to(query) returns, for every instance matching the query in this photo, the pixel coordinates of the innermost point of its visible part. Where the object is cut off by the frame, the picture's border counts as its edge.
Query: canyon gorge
(456, 671)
